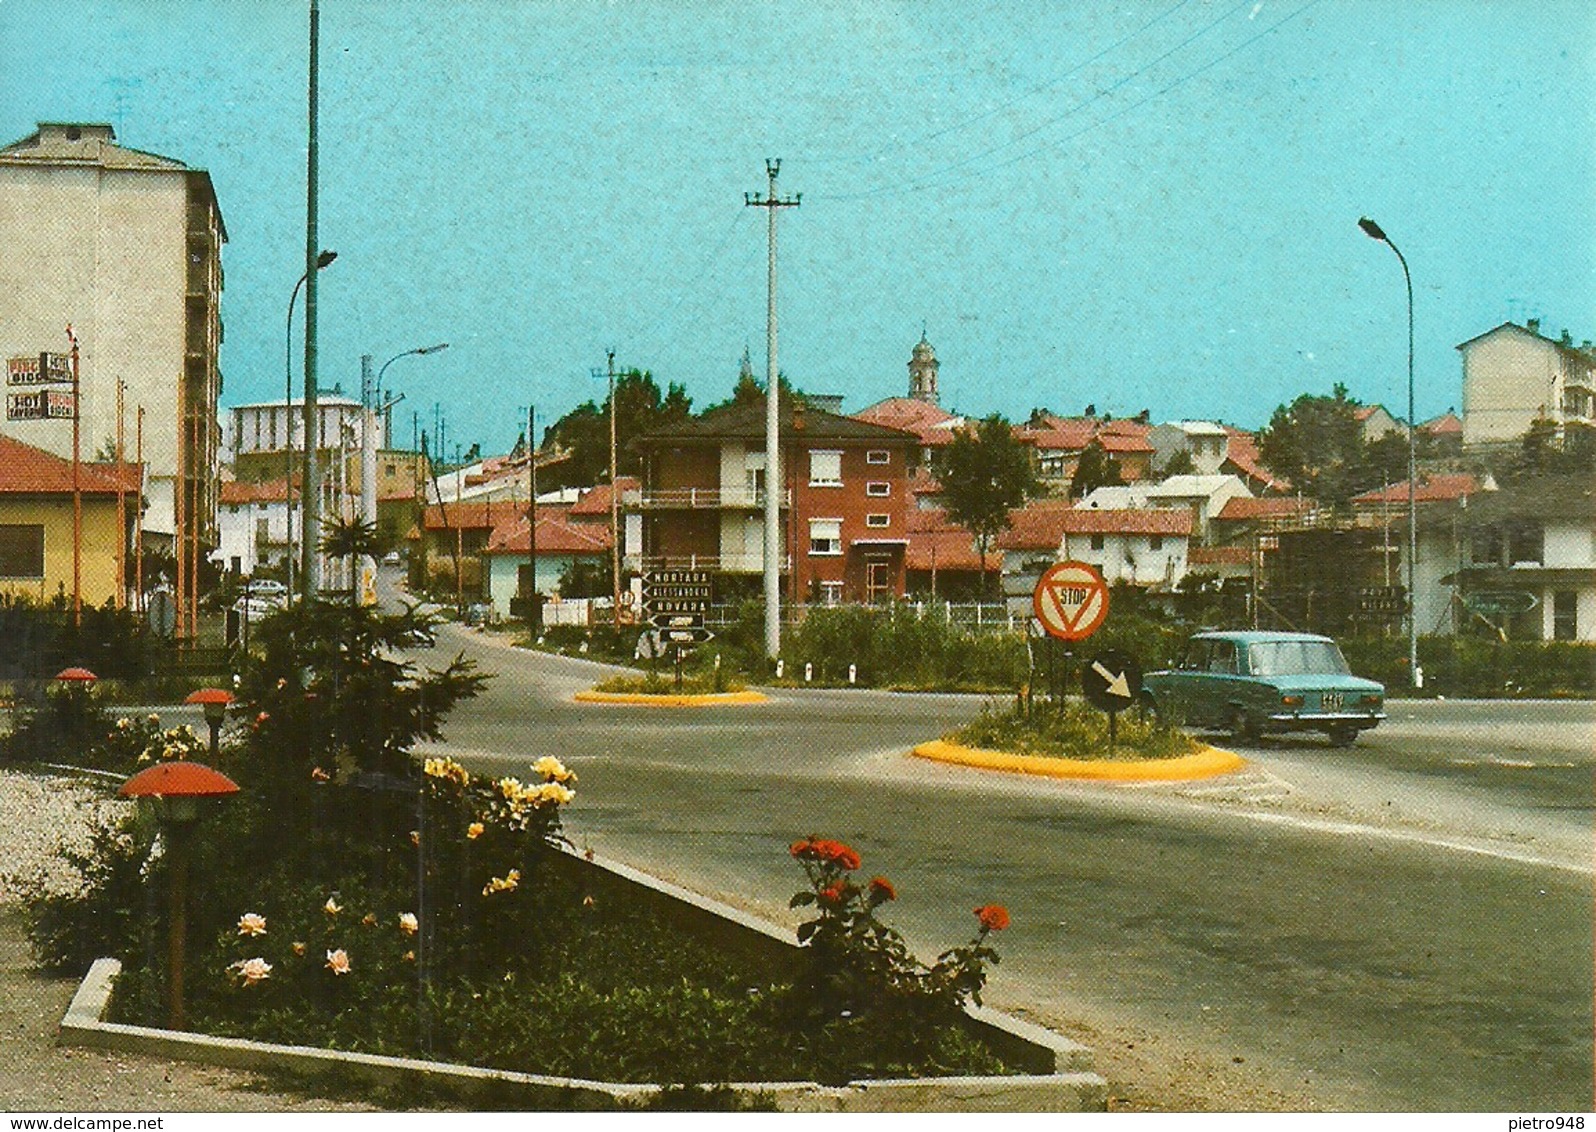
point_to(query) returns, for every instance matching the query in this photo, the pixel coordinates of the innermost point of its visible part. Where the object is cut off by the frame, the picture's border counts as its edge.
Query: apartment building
(843, 501)
(1514, 375)
(125, 246)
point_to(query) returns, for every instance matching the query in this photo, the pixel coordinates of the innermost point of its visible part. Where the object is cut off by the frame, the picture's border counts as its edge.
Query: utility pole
(615, 509)
(121, 496)
(770, 202)
(310, 527)
(138, 519)
(369, 415)
(534, 619)
(77, 489)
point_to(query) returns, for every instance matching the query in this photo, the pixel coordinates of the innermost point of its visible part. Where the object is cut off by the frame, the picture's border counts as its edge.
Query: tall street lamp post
(322, 261)
(1374, 232)
(418, 351)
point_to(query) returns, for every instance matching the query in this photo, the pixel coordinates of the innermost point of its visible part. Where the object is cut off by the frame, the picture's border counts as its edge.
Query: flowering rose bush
(859, 965)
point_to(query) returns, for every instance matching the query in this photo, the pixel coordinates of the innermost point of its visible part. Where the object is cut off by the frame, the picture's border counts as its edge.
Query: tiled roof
(1058, 435)
(472, 516)
(1242, 508)
(596, 501)
(1447, 424)
(239, 492)
(934, 426)
(96, 145)
(1042, 525)
(1126, 443)
(1242, 454)
(746, 420)
(26, 470)
(947, 548)
(555, 536)
(1429, 489)
(1219, 556)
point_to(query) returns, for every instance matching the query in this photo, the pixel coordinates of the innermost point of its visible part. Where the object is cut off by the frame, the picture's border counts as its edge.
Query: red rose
(882, 889)
(993, 917)
(833, 894)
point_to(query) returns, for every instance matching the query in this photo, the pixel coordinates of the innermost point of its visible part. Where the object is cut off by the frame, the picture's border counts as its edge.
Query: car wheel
(1241, 728)
(1343, 736)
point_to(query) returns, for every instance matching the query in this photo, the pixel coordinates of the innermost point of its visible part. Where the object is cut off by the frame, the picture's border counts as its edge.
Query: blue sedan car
(1249, 683)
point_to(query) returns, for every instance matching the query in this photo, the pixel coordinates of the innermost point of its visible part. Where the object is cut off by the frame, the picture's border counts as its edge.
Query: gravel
(39, 816)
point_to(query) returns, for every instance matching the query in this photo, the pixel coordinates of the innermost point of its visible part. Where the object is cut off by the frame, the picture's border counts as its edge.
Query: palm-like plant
(352, 539)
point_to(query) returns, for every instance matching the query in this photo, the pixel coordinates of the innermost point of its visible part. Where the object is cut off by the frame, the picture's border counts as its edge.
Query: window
(1097, 542)
(1155, 542)
(825, 469)
(1525, 543)
(878, 456)
(831, 592)
(825, 537)
(21, 550)
(1222, 658)
(878, 488)
(1565, 616)
(878, 520)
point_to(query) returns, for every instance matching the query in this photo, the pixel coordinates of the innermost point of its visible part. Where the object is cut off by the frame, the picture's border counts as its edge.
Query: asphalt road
(1405, 926)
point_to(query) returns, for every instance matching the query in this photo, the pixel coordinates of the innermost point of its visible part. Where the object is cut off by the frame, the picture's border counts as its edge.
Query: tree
(1096, 469)
(640, 406)
(985, 475)
(1180, 464)
(1317, 443)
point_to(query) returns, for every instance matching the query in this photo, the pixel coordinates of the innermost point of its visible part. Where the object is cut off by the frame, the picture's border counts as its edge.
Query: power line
(941, 177)
(921, 139)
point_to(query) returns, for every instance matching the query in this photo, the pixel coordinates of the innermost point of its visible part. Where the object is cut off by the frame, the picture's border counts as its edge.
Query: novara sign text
(1070, 600)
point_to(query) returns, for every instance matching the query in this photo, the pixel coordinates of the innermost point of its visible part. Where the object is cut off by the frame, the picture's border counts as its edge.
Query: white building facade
(1513, 375)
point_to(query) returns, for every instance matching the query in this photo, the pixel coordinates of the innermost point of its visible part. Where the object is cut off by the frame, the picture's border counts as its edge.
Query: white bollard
(582, 647)
(853, 673)
(809, 672)
(717, 662)
(781, 667)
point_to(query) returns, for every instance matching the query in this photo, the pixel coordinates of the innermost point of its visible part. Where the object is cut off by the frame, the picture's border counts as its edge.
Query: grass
(1072, 731)
(664, 684)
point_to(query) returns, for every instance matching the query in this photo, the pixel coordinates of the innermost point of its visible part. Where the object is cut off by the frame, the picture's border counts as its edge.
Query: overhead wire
(951, 174)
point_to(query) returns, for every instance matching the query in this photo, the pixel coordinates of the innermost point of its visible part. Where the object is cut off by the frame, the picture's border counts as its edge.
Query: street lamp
(419, 350)
(1374, 232)
(322, 261)
(214, 701)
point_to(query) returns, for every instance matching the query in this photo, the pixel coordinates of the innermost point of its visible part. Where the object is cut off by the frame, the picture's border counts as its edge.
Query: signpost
(1071, 603)
(1111, 683)
(675, 602)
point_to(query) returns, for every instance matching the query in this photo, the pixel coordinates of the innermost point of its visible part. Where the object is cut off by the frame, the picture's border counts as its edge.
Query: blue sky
(1138, 205)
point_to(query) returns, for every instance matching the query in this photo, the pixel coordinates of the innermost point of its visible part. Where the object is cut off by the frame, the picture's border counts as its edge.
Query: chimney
(1533, 325)
(1566, 338)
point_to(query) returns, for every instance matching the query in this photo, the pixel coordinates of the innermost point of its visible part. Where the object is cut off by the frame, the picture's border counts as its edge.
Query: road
(1406, 925)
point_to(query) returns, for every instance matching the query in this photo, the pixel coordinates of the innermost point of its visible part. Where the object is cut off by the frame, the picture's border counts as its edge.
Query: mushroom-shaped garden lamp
(175, 789)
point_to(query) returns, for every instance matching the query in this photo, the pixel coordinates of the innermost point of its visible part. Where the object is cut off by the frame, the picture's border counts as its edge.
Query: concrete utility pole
(369, 415)
(770, 202)
(615, 509)
(310, 528)
(534, 611)
(77, 488)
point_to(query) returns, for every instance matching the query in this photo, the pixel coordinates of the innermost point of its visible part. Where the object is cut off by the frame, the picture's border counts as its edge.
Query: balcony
(720, 563)
(700, 498)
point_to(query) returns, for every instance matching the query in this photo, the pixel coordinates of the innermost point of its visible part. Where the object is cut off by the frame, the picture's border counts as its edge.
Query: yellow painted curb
(1207, 763)
(644, 699)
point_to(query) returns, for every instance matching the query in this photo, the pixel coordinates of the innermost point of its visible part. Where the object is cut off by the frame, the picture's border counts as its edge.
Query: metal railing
(694, 497)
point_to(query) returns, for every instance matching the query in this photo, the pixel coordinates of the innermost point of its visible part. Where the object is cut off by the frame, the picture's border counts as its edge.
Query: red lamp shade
(178, 779)
(79, 675)
(209, 696)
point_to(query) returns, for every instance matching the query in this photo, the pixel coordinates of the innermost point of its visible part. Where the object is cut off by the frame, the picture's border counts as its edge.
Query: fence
(994, 617)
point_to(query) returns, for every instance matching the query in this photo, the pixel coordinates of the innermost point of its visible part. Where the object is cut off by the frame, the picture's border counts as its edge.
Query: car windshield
(1295, 658)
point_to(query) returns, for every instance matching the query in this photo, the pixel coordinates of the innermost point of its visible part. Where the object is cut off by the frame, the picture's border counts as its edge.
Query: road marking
(1320, 825)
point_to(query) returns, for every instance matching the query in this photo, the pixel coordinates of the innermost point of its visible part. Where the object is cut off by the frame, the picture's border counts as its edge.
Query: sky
(1146, 205)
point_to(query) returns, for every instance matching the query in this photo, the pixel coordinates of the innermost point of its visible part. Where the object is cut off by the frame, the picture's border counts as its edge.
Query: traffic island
(670, 699)
(1209, 762)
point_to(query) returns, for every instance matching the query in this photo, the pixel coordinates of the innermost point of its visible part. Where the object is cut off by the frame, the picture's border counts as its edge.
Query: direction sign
(672, 594)
(696, 635)
(1112, 681)
(1070, 600)
(1507, 601)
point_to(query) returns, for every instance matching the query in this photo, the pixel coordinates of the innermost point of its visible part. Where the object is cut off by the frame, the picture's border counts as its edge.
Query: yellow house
(36, 526)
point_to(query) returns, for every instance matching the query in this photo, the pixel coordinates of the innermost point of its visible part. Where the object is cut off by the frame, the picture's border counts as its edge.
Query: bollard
(582, 647)
(809, 672)
(853, 673)
(717, 662)
(781, 666)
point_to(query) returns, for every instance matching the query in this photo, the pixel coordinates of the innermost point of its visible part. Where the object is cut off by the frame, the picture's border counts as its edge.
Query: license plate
(1331, 701)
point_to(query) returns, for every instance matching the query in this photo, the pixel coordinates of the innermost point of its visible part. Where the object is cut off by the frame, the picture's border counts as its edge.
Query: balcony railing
(722, 563)
(679, 498)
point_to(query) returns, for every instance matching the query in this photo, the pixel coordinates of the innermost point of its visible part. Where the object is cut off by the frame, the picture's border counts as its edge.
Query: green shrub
(1072, 731)
(1478, 666)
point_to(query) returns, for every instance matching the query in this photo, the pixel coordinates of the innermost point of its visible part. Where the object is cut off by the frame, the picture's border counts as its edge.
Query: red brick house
(844, 501)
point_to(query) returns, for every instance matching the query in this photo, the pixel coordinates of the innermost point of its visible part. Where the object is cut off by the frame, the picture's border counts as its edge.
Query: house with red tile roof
(1143, 547)
(37, 526)
(563, 542)
(1242, 460)
(941, 560)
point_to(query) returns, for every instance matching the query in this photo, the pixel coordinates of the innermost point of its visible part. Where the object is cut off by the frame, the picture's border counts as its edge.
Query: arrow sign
(1117, 684)
(1112, 681)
